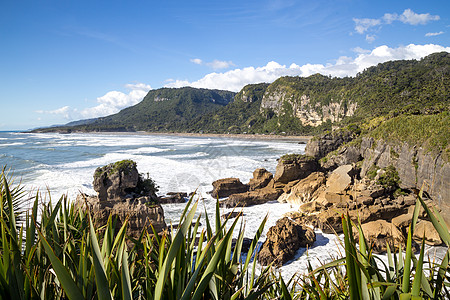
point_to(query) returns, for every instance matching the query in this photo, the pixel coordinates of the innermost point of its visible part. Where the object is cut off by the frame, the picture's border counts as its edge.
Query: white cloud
(434, 33)
(360, 50)
(215, 64)
(234, 80)
(110, 103)
(196, 61)
(370, 37)
(407, 17)
(362, 25)
(410, 17)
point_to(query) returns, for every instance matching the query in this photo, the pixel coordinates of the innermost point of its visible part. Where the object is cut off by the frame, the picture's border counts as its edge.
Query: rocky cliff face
(283, 101)
(415, 166)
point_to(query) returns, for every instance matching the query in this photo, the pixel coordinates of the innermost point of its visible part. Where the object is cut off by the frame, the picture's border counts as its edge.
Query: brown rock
(380, 232)
(293, 167)
(261, 178)
(141, 212)
(304, 190)
(426, 228)
(340, 179)
(228, 186)
(283, 241)
(173, 197)
(402, 222)
(116, 180)
(251, 198)
(311, 207)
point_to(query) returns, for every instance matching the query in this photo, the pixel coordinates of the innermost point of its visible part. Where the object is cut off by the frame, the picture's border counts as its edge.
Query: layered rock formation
(124, 194)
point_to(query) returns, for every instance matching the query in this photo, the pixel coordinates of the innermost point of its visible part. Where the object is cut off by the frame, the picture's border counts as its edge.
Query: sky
(67, 60)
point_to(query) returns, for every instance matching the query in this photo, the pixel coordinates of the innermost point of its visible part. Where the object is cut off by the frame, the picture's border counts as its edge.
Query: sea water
(65, 164)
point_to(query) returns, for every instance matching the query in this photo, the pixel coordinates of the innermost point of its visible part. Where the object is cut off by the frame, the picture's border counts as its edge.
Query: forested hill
(291, 105)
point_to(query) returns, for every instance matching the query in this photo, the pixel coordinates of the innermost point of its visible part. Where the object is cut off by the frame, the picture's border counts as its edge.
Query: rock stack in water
(124, 193)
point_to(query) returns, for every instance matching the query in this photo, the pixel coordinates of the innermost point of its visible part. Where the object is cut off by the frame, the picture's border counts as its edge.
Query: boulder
(173, 197)
(304, 190)
(402, 222)
(261, 178)
(340, 179)
(380, 232)
(283, 240)
(426, 228)
(231, 215)
(228, 186)
(292, 166)
(251, 198)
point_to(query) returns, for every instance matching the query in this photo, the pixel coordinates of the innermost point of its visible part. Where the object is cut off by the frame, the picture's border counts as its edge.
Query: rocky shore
(373, 182)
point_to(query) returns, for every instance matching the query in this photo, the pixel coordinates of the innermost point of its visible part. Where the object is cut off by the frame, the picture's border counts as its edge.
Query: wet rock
(173, 197)
(228, 186)
(283, 240)
(231, 215)
(292, 167)
(261, 178)
(246, 243)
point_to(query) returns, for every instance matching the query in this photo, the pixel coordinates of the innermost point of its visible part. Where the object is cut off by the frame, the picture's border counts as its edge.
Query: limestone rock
(380, 232)
(321, 146)
(261, 178)
(283, 241)
(340, 179)
(228, 186)
(141, 212)
(115, 181)
(426, 228)
(255, 197)
(173, 197)
(402, 222)
(292, 167)
(304, 190)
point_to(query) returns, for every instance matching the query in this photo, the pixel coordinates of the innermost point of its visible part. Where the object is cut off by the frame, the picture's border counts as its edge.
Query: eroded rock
(228, 186)
(261, 178)
(283, 241)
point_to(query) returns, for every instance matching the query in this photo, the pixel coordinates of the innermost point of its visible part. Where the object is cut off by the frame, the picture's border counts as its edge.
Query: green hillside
(291, 105)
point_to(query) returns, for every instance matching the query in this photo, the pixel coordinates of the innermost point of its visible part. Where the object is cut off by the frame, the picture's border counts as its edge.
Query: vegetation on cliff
(291, 105)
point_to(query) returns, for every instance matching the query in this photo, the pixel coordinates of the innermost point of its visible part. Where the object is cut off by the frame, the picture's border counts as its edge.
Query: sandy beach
(298, 138)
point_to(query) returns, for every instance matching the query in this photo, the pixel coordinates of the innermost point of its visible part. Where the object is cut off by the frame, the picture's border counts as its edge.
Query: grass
(58, 254)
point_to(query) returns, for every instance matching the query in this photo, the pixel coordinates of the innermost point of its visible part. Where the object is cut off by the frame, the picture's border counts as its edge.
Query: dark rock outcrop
(173, 197)
(320, 146)
(283, 241)
(228, 186)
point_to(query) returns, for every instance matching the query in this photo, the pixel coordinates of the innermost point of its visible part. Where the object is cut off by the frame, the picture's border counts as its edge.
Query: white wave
(12, 144)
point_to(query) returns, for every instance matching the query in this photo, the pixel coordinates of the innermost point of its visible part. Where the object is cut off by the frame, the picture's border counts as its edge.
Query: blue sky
(66, 60)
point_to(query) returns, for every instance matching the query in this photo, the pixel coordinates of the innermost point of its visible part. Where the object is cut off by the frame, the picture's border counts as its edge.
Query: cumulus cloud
(434, 33)
(110, 103)
(370, 37)
(215, 64)
(407, 17)
(234, 80)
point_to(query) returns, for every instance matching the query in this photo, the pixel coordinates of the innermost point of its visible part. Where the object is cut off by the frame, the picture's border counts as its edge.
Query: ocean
(65, 164)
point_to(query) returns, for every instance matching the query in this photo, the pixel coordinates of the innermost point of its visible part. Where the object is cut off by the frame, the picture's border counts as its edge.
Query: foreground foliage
(57, 253)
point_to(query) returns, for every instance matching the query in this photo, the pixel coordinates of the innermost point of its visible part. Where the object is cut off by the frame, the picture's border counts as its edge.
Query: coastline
(300, 138)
